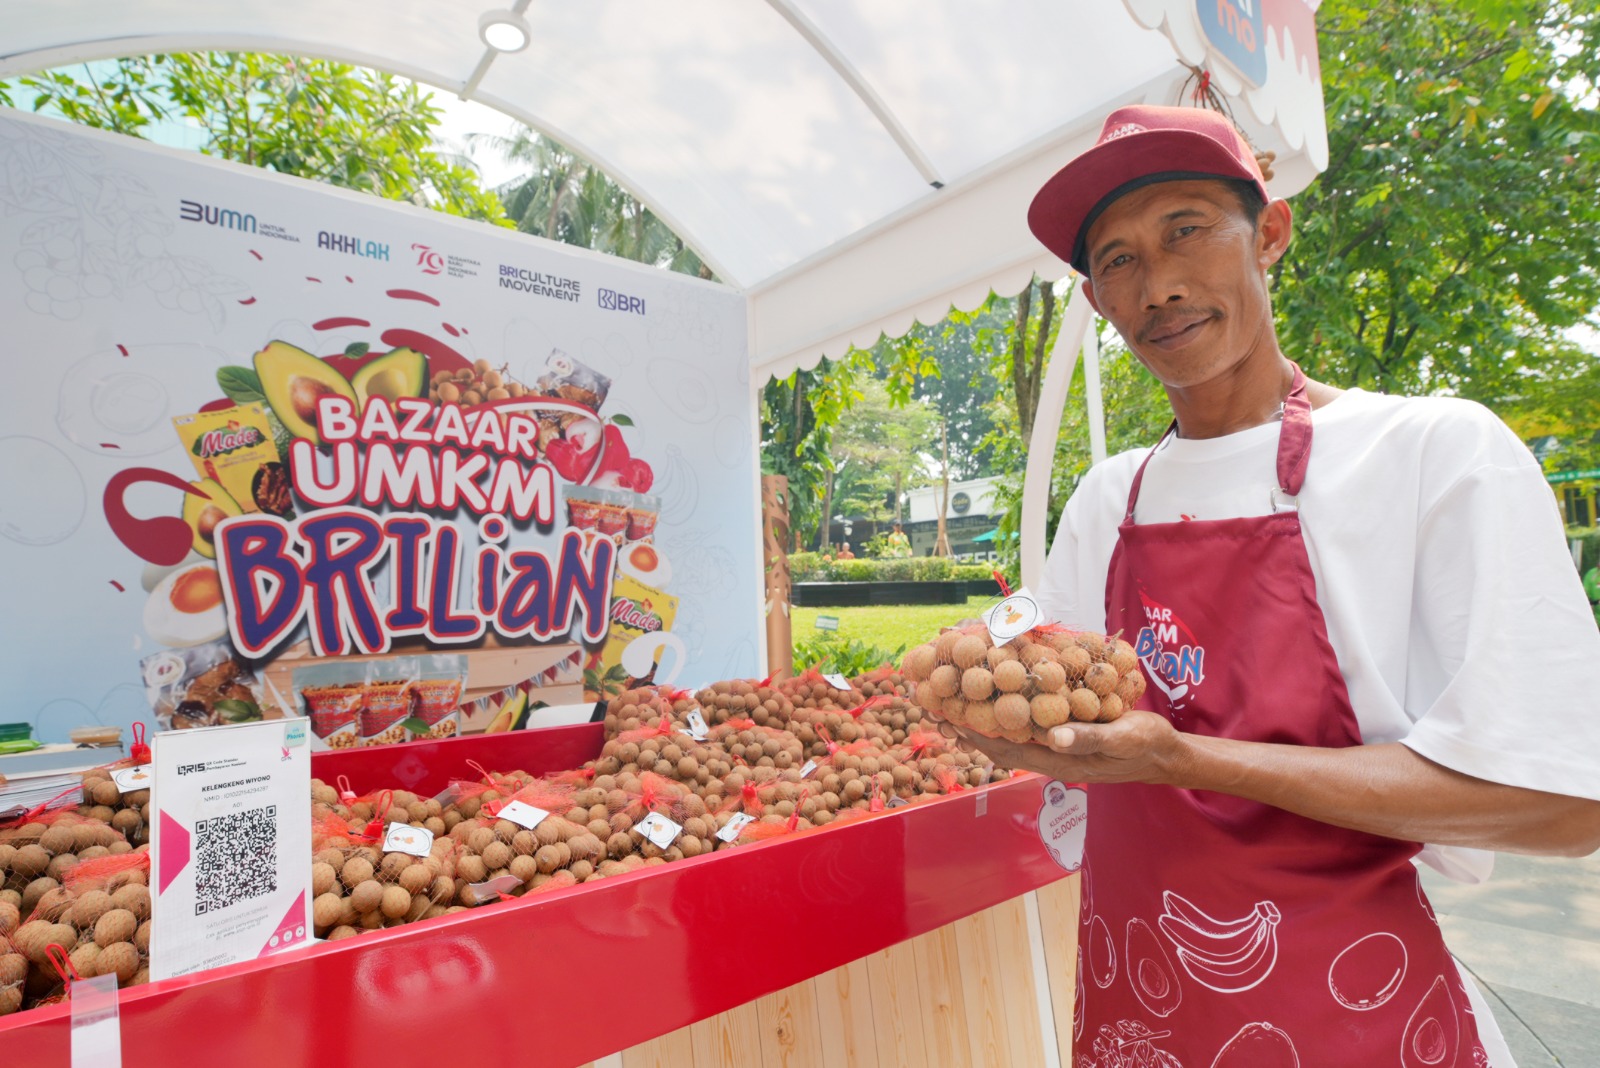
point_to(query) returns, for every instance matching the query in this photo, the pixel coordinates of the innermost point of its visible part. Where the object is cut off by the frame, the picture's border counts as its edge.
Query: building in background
(971, 515)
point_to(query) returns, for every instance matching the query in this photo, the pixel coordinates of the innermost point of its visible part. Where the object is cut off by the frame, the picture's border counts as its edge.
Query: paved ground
(1531, 937)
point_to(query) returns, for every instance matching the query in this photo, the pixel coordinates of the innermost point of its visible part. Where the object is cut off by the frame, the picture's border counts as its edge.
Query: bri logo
(1172, 657)
(611, 300)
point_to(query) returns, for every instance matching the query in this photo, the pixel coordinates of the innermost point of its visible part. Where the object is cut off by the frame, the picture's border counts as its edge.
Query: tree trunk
(1027, 368)
(941, 545)
(825, 527)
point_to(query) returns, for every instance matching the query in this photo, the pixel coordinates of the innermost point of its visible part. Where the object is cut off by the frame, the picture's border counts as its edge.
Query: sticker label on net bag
(404, 838)
(661, 831)
(738, 822)
(523, 814)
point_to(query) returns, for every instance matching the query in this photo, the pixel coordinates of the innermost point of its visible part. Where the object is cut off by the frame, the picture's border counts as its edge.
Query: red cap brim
(1076, 195)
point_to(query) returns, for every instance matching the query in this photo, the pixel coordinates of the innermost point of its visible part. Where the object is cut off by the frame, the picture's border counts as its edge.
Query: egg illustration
(1102, 954)
(185, 608)
(1368, 972)
(1258, 1045)
(644, 562)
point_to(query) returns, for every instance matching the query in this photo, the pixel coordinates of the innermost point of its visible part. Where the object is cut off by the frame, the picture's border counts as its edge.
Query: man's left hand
(1138, 747)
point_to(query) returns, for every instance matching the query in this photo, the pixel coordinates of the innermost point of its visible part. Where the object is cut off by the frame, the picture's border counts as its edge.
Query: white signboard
(230, 847)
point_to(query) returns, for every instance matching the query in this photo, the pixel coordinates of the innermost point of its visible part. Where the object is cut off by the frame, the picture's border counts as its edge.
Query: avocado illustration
(204, 513)
(294, 381)
(397, 373)
(510, 715)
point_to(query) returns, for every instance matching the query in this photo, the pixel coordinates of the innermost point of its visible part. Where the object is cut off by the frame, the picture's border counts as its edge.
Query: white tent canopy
(849, 166)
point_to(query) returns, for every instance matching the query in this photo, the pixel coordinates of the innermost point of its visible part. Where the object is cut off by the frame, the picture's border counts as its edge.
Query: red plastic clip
(139, 752)
(62, 964)
(876, 804)
(347, 795)
(374, 831)
(1005, 587)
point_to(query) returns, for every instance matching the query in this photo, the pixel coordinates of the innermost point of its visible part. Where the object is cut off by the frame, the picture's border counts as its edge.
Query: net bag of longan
(1023, 687)
(99, 916)
(762, 701)
(632, 709)
(39, 847)
(103, 800)
(357, 885)
(810, 689)
(493, 847)
(885, 680)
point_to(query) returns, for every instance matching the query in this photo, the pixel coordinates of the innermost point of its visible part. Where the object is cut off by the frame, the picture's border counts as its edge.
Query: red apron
(1223, 933)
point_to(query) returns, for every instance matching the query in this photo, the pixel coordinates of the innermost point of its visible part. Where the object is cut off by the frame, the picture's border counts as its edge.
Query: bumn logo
(611, 300)
(428, 261)
(194, 211)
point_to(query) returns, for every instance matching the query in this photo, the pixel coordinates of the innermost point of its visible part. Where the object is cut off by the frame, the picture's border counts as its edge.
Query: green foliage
(878, 450)
(810, 567)
(888, 626)
(317, 119)
(1451, 244)
(876, 546)
(846, 656)
(565, 198)
(1590, 536)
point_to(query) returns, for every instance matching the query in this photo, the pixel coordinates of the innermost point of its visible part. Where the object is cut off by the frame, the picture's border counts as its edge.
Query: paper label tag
(838, 682)
(1063, 824)
(96, 1023)
(896, 802)
(503, 884)
(738, 822)
(805, 772)
(130, 779)
(697, 726)
(523, 814)
(404, 838)
(661, 831)
(1015, 615)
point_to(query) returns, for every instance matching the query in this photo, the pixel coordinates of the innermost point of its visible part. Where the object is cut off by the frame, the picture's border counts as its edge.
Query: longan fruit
(54, 906)
(954, 709)
(449, 392)
(976, 685)
(57, 839)
(416, 879)
(1084, 704)
(393, 864)
(10, 999)
(480, 839)
(482, 366)
(127, 820)
(524, 867)
(395, 902)
(36, 936)
(1101, 678)
(1049, 676)
(471, 397)
(1012, 711)
(920, 662)
(944, 645)
(472, 869)
(1000, 654)
(117, 925)
(1130, 688)
(1050, 710)
(35, 891)
(1091, 643)
(323, 878)
(924, 696)
(497, 855)
(945, 681)
(141, 937)
(1110, 708)
(969, 652)
(83, 958)
(356, 870)
(11, 916)
(29, 861)
(492, 379)
(341, 932)
(1121, 656)
(325, 910)
(13, 968)
(366, 896)
(119, 959)
(106, 793)
(981, 718)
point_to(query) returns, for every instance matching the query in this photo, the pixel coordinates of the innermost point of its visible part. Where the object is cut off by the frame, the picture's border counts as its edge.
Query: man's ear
(1088, 291)
(1275, 229)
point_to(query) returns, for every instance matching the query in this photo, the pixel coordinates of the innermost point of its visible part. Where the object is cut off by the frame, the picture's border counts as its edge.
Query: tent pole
(1092, 397)
(1075, 321)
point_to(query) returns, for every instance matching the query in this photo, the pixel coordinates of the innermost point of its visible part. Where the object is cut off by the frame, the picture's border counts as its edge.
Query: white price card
(697, 726)
(736, 823)
(837, 681)
(523, 814)
(137, 777)
(230, 846)
(404, 838)
(1016, 614)
(661, 831)
(805, 772)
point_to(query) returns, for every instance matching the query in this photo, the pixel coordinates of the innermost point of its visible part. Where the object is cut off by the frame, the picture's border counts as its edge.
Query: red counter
(561, 978)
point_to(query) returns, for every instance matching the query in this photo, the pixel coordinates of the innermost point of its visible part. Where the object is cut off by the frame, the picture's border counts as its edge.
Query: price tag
(837, 681)
(737, 823)
(130, 779)
(523, 814)
(661, 831)
(805, 772)
(504, 884)
(697, 726)
(404, 838)
(1015, 615)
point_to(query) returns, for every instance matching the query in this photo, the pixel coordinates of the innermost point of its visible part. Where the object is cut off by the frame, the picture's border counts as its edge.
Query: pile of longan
(474, 385)
(1021, 689)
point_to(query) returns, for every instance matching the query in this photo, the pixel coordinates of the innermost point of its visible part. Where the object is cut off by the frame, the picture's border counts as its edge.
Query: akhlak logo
(1173, 659)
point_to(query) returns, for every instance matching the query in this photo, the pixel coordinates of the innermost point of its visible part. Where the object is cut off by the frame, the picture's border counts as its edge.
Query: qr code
(235, 858)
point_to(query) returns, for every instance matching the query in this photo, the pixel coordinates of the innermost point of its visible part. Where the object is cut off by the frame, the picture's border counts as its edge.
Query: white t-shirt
(1452, 604)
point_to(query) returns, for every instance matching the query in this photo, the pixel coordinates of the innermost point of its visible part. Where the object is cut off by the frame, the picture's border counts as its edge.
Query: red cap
(1139, 146)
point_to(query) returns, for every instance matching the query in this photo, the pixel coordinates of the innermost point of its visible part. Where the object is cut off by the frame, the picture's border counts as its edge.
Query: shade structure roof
(850, 166)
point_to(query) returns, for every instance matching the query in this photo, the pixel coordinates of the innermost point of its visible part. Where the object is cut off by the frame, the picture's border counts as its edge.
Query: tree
(329, 122)
(565, 198)
(878, 450)
(1451, 244)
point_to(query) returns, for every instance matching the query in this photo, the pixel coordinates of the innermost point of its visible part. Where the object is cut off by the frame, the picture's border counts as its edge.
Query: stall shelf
(562, 978)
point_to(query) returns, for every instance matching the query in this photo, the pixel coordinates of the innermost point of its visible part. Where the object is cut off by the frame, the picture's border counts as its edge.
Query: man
(1361, 631)
(845, 553)
(899, 544)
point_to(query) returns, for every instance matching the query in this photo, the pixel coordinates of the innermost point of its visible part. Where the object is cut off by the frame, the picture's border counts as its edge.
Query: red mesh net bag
(884, 680)
(97, 923)
(366, 871)
(810, 689)
(761, 701)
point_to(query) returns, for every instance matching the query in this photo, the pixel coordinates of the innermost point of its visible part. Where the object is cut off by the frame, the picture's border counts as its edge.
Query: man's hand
(1138, 747)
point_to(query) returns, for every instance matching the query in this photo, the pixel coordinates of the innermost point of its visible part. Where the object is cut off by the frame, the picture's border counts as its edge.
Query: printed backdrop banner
(274, 448)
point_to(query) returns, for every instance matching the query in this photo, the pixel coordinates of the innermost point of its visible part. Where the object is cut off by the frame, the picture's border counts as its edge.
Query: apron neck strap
(1294, 444)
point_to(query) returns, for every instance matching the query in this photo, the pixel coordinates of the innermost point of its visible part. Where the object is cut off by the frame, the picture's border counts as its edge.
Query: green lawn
(888, 626)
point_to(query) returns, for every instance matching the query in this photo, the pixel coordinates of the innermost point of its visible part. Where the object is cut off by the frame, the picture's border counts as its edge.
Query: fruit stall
(470, 528)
